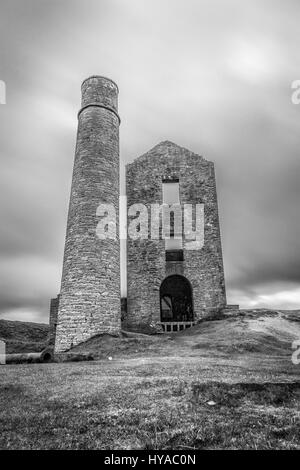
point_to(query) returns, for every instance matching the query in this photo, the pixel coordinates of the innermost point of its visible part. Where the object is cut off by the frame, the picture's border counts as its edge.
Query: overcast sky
(211, 75)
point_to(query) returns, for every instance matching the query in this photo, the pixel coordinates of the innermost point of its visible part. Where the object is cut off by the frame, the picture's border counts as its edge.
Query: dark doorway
(176, 300)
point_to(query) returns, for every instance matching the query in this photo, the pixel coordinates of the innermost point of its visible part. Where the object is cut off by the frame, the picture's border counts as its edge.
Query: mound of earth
(260, 331)
(245, 331)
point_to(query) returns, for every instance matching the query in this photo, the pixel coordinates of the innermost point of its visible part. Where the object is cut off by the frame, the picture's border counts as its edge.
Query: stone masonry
(54, 304)
(182, 284)
(90, 289)
(146, 259)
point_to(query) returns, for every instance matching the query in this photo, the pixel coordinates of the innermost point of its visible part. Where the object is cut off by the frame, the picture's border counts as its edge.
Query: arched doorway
(176, 300)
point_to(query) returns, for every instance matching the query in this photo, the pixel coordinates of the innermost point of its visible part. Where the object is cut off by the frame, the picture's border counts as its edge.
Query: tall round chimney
(90, 289)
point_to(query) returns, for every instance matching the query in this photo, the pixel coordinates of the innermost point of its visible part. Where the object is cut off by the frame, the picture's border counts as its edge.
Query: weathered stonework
(89, 302)
(90, 288)
(54, 304)
(146, 259)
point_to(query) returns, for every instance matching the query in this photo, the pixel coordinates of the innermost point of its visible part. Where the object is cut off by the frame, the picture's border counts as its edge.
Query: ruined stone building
(171, 283)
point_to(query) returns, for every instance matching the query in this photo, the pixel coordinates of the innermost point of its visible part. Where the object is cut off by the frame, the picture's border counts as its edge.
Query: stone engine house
(172, 281)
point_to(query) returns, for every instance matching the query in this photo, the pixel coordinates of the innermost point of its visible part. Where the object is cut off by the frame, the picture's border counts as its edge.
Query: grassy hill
(259, 331)
(262, 331)
(23, 336)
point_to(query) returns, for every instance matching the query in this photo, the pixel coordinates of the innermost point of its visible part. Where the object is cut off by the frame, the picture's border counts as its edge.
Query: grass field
(223, 385)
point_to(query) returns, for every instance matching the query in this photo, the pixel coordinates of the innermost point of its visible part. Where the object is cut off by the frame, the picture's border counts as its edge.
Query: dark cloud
(214, 76)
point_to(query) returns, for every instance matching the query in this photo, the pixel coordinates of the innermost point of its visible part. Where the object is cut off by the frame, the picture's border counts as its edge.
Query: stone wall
(54, 304)
(90, 288)
(123, 309)
(146, 259)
